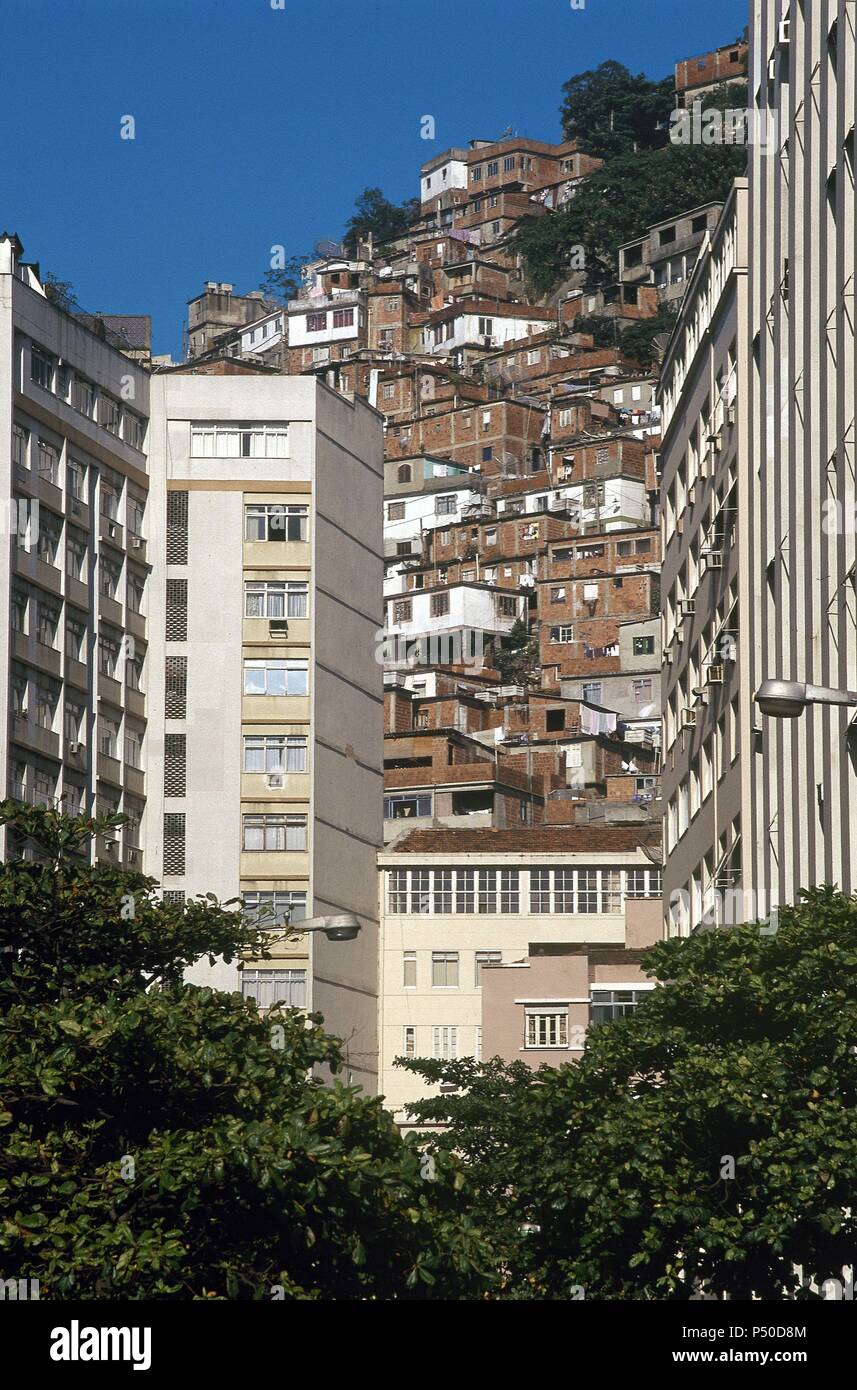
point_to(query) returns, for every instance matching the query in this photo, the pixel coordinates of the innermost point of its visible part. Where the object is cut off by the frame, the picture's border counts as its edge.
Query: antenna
(326, 248)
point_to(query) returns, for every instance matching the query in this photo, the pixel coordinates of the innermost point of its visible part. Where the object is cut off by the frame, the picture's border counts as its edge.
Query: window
(476, 174)
(75, 639)
(507, 605)
(563, 633)
(20, 446)
(109, 414)
(239, 441)
(401, 805)
(509, 163)
(275, 907)
(608, 1004)
(47, 462)
(444, 969)
(592, 692)
(343, 318)
(486, 958)
(533, 356)
(402, 611)
(42, 368)
(109, 574)
(48, 622)
(73, 718)
(18, 610)
(644, 646)
(271, 521)
(108, 736)
(547, 1028)
(643, 883)
(275, 753)
(409, 969)
(108, 501)
(133, 747)
(75, 479)
(83, 396)
(493, 168)
(486, 328)
(135, 588)
(75, 555)
(409, 1040)
(403, 473)
(396, 511)
(135, 510)
(439, 605)
(108, 656)
(135, 430)
(276, 677)
(558, 595)
(275, 598)
(642, 691)
(487, 454)
(446, 506)
(316, 323)
(50, 529)
(445, 1043)
(270, 987)
(272, 833)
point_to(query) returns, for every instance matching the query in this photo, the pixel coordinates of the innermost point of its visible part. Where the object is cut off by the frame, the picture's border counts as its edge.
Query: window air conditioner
(276, 781)
(136, 542)
(75, 747)
(714, 675)
(278, 627)
(688, 718)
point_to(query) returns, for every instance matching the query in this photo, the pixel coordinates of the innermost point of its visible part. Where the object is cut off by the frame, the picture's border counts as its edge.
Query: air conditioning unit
(75, 747)
(136, 542)
(133, 855)
(784, 35)
(276, 781)
(714, 675)
(716, 442)
(110, 844)
(111, 528)
(278, 627)
(731, 414)
(686, 607)
(772, 70)
(687, 718)
(76, 509)
(712, 559)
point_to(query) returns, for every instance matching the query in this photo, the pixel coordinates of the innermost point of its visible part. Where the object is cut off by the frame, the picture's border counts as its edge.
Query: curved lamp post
(342, 928)
(789, 699)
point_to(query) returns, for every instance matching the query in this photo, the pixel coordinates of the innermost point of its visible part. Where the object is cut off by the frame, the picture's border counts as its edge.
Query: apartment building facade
(76, 582)
(708, 664)
(456, 903)
(265, 689)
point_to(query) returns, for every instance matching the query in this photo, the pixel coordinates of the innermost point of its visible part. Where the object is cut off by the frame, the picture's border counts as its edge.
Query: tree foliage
(376, 215)
(161, 1140)
(704, 1143)
(285, 282)
(609, 110)
(646, 339)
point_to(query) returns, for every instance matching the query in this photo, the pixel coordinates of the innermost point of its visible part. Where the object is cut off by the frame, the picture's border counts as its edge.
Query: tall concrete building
(75, 582)
(759, 570)
(265, 781)
(707, 698)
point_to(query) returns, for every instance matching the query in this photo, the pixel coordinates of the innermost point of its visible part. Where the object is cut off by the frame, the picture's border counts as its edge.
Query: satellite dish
(327, 248)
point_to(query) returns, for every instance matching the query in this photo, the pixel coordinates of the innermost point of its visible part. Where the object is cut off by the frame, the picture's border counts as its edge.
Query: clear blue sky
(257, 126)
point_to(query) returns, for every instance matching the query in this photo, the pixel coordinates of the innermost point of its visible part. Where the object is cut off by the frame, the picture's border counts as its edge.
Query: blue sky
(258, 126)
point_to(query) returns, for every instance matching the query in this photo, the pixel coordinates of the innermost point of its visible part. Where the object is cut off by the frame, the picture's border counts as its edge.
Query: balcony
(35, 653)
(76, 673)
(109, 769)
(135, 780)
(26, 731)
(109, 689)
(77, 592)
(137, 547)
(109, 610)
(110, 531)
(74, 755)
(28, 565)
(78, 512)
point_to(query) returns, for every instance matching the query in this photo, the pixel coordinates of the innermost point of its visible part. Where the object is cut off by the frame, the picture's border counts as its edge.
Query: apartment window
(495, 228)
(507, 605)
(108, 501)
(275, 598)
(135, 589)
(73, 720)
(444, 969)
(75, 639)
(642, 691)
(486, 958)
(270, 521)
(446, 505)
(562, 633)
(20, 446)
(109, 574)
(109, 414)
(50, 530)
(75, 555)
(403, 473)
(409, 970)
(48, 622)
(135, 510)
(439, 605)
(396, 511)
(409, 1040)
(316, 323)
(343, 318)
(401, 805)
(134, 671)
(135, 430)
(176, 624)
(108, 736)
(134, 748)
(275, 752)
(177, 528)
(42, 368)
(276, 677)
(175, 687)
(44, 787)
(402, 611)
(18, 610)
(175, 764)
(644, 646)
(476, 174)
(270, 987)
(276, 907)
(47, 462)
(75, 479)
(608, 1004)
(547, 1028)
(239, 441)
(20, 689)
(83, 396)
(493, 168)
(509, 163)
(445, 1043)
(592, 691)
(667, 236)
(486, 328)
(275, 834)
(533, 356)
(558, 594)
(108, 655)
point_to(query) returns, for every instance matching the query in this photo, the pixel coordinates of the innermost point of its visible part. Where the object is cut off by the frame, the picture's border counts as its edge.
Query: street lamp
(789, 699)
(342, 928)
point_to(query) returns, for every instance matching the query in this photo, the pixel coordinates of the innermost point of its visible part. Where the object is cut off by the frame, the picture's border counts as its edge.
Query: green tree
(609, 110)
(286, 282)
(518, 657)
(705, 1142)
(160, 1140)
(645, 339)
(375, 214)
(619, 202)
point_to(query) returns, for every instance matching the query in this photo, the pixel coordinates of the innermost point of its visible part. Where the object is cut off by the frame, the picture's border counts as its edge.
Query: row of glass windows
(544, 1026)
(550, 890)
(47, 372)
(233, 441)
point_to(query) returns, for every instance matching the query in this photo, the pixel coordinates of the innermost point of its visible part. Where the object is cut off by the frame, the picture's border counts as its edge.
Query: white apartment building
(76, 583)
(266, 776)
(708, 714)
(457, 902)
(450, 617)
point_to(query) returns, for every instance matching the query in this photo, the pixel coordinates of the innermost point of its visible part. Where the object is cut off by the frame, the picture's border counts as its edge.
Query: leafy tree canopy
(286, 281)
(609, 110)
(164, 1141)
(375, 214)
(704, 1143)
